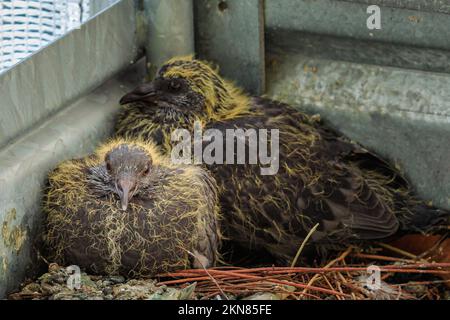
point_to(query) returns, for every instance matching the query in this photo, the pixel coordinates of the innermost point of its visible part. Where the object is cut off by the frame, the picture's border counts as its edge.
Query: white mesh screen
(26, 26)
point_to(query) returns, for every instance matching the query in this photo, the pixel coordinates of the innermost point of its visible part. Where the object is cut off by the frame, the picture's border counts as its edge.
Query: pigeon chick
(127, 210)
(323, 178)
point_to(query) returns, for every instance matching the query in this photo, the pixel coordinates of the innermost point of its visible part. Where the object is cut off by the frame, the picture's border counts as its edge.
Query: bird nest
(342, 278)
(345, 277)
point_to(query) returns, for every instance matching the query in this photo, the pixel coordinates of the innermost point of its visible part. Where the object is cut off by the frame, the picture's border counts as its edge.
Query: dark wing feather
(356, 205)
(336, 193)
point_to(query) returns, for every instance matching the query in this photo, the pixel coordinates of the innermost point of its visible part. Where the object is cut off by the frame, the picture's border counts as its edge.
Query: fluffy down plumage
(171, 216)
(324, 178)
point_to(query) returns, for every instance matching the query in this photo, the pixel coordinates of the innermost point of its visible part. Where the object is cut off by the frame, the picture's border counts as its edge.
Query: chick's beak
(126, 185)
(145, 92)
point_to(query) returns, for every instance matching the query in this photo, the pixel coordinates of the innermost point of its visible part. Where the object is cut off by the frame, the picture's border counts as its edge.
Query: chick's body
(323, 178)
(169, 220)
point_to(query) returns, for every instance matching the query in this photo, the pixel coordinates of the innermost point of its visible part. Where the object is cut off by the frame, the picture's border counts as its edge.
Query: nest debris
(53, 286)
(343, 278)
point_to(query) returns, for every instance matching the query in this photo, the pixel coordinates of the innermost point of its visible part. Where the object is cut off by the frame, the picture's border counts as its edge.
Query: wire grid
(27, 26)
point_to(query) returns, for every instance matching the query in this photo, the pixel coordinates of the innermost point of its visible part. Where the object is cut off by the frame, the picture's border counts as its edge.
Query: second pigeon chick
(324, 179)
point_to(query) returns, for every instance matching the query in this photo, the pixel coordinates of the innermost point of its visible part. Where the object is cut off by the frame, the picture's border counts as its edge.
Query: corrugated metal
(400, 25)
(231, 34)
(169, 30)
(402, 114)
(442, 6)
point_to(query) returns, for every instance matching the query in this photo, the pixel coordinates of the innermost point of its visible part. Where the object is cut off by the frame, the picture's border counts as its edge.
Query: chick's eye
(146, 171)
(108, 166)
(174, 86)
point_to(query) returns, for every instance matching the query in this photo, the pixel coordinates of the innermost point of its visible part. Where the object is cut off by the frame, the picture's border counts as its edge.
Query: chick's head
(187, 89)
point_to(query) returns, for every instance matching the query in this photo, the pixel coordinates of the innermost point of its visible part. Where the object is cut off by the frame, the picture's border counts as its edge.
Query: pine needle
(397, 250)
(209, 275)
(297, 255)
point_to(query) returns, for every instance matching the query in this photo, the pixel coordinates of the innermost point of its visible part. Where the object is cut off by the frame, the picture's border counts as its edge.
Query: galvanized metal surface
(73, 132)
(349, 19)
(61, 72)
(403, 115)
(361, 51)
(422, 5)
(99, 5)
(230, 33)
(169, 30)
